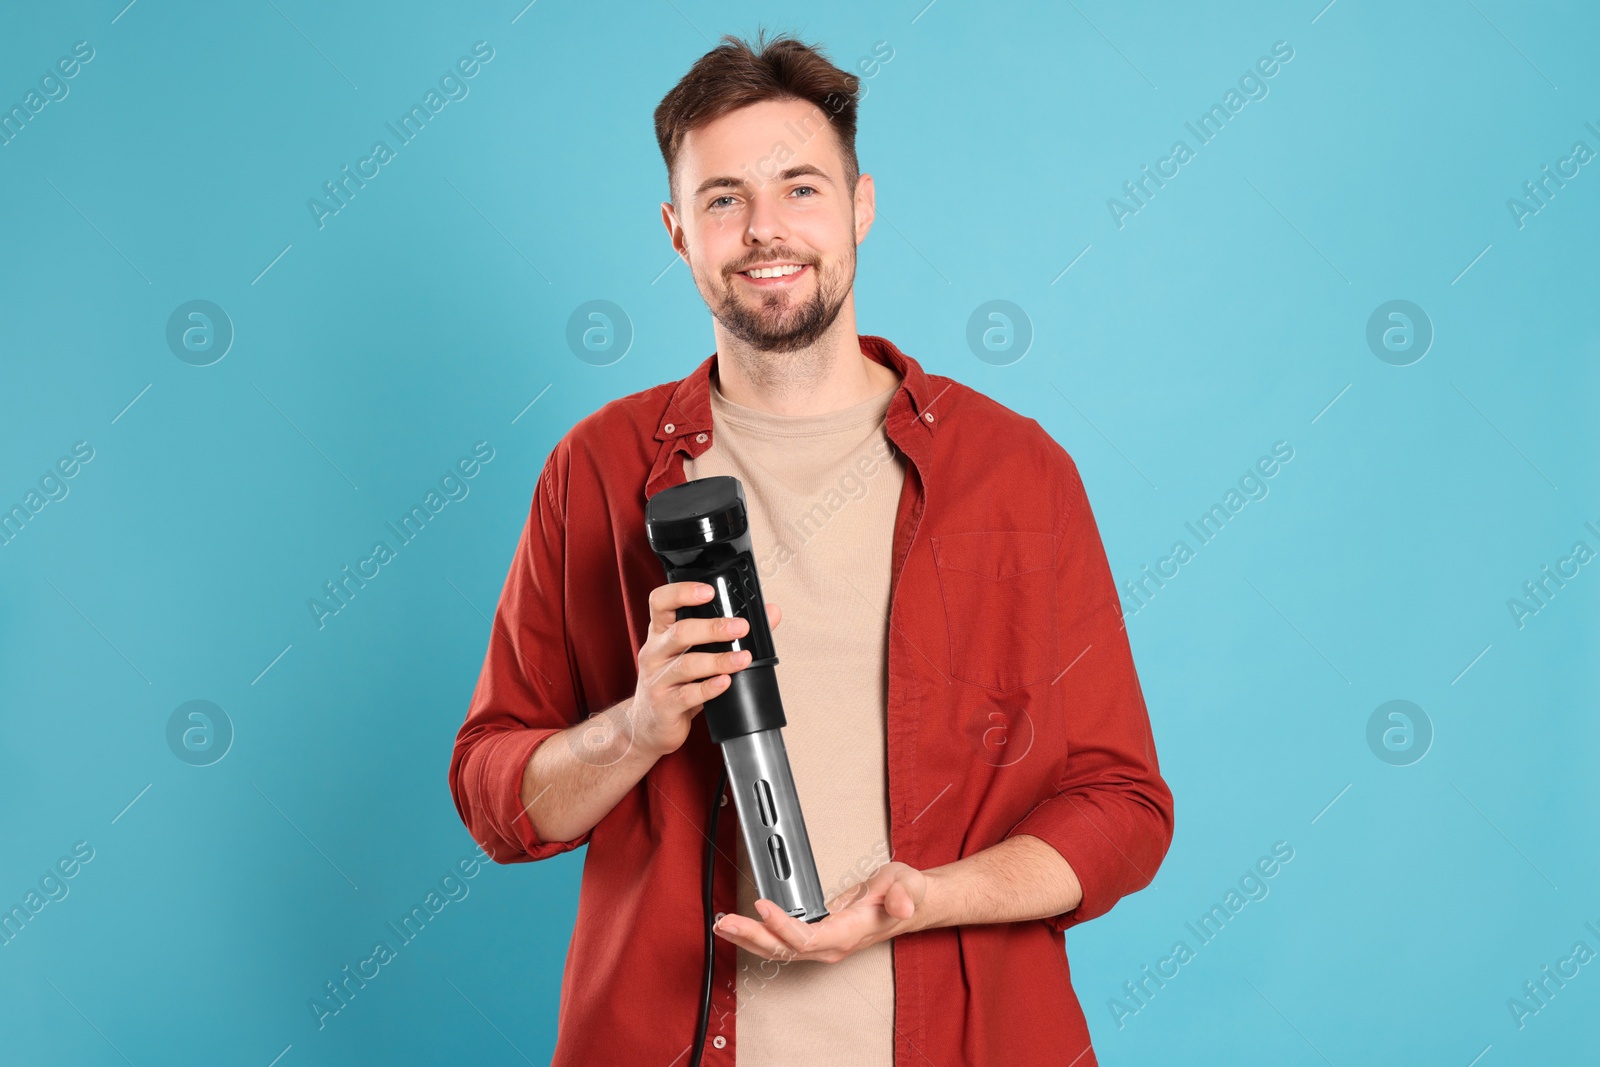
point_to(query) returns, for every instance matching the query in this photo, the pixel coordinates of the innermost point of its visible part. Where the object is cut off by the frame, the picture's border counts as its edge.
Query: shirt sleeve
(525, 693)
(1110, 815)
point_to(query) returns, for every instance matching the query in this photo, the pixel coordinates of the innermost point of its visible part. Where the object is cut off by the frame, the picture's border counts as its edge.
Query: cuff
(1086, 834)
(505, 760)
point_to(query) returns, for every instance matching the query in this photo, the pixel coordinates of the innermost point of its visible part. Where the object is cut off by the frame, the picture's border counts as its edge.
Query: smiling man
(965, 725)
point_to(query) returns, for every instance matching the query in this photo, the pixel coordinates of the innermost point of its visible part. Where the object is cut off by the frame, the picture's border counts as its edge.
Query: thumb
(899, 902)
(774, 615)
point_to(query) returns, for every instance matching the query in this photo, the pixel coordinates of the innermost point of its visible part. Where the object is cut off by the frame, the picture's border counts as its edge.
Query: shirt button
(724, 800)
(702, 439)
(719, 1041)
(927, 415)
(668, 428)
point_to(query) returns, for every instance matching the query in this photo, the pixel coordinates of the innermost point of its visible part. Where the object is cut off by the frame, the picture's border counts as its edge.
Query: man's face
(764, 186)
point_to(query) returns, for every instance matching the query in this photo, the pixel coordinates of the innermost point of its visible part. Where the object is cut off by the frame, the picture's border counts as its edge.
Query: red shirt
(1013, 707)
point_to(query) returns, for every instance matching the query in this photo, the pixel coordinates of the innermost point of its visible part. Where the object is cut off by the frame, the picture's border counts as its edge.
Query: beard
(781, 321)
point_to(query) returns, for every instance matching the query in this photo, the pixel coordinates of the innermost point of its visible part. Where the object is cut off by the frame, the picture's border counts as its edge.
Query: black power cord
(711, 852)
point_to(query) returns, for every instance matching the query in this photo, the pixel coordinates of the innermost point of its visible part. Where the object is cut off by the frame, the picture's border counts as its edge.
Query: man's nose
(766, 219)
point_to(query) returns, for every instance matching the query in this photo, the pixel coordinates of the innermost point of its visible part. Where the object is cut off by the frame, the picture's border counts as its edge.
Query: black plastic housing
(700, 530)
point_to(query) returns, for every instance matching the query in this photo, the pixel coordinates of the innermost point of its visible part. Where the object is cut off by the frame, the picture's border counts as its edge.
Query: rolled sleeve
(1111, 814)
(525, 692)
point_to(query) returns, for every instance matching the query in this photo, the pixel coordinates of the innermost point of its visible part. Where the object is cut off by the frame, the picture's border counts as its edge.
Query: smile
(768, 277)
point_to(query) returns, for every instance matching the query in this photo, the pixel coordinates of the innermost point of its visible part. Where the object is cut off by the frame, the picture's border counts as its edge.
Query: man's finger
(753, 937)
(898, 902)
(665, 600)
(796, 935)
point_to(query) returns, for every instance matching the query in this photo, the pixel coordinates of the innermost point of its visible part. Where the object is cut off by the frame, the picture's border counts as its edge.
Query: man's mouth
(779, 274)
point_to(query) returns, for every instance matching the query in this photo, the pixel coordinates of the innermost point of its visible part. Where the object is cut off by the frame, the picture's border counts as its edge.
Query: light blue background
(1228, 314)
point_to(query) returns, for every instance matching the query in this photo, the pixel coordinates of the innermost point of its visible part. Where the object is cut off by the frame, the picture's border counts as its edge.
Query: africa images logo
(452, 84)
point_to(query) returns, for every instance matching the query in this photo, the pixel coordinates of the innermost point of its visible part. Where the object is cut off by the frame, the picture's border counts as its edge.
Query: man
(966, 728)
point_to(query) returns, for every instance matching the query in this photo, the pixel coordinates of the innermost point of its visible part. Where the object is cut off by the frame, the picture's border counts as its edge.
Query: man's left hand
(891, 902)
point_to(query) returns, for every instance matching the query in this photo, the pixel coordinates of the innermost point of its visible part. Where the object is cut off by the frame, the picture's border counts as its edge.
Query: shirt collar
(688, 410)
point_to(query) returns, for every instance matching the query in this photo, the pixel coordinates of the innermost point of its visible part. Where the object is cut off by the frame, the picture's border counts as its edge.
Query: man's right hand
(675, 683)
(567, 789)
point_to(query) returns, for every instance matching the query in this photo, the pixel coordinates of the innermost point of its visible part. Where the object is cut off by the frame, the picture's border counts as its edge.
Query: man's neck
(832, 374)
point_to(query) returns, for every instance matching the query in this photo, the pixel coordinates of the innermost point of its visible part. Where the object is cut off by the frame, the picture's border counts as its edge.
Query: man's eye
(806, 187)
(718, 200)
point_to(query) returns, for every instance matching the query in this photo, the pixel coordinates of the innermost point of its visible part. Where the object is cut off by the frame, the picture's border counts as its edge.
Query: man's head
(761, 167)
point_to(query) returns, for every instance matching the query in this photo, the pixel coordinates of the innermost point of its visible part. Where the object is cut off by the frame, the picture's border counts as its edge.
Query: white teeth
(772, 272)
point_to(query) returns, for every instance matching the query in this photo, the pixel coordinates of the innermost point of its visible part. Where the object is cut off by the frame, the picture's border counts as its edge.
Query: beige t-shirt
(822, 491)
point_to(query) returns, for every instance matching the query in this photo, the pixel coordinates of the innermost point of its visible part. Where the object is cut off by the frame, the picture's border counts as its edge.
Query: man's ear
(866, 203)
(669, 218)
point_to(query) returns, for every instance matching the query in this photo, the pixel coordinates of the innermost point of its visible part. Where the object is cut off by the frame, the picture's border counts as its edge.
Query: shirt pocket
(999, 605)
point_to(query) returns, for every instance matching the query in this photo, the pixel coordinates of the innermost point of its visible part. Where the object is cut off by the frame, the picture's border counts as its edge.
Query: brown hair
(734, 75)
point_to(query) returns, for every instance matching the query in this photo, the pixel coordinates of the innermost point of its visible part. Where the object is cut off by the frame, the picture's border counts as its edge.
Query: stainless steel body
(774, 829)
